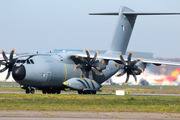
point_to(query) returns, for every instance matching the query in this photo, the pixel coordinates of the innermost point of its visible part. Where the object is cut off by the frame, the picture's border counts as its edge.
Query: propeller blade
(96, 64)
(14, 60)
(121, 74)
(4, 69)
(122, 59)
(95, 56)
(82, 74)
(102, 66)
(140, 70)
(90, 75)
(127, 78)
(2, 63)
(81, 58)
(129, 57)
(118, 66)
(96, 71)
(11, 55)
(88, 54)
(134, 62)
(7, 75)
(134, 75)
(78, 66)
(89, 65)
(4, 56)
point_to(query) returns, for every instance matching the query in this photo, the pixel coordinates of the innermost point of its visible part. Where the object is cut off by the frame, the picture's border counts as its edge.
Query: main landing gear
(30, 90)
(86, 92)
(51, 91)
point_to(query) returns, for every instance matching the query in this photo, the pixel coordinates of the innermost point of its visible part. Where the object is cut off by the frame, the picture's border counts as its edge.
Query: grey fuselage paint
(53, 70)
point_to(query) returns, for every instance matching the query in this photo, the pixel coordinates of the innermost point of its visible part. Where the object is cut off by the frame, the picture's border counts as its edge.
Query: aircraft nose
(18, 72)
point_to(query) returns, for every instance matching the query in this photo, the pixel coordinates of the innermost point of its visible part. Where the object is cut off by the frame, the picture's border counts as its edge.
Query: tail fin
(124, 28)
(175, 73)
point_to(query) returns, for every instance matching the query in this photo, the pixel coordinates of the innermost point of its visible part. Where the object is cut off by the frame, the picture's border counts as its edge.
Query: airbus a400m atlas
(80, 71)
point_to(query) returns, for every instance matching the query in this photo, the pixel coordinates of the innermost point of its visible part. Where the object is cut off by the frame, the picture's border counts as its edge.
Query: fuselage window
(32, 61)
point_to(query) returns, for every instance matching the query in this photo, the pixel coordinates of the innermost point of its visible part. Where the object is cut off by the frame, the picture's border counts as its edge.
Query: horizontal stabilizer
(135, 13)
(148, 13)
(103, 13)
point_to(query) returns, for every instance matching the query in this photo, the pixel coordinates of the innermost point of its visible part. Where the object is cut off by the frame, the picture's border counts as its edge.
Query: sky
(43, 25)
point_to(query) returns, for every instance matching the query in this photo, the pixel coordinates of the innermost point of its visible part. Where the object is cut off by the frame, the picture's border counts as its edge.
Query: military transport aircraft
(80, 71)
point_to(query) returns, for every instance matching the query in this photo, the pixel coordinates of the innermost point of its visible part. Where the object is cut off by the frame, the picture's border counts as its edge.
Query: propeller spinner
(89, 65)
(129, 67)
(8, 63)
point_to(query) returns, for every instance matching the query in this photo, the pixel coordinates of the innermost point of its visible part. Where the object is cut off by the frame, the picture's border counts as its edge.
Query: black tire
(32, 91)
(44, 91)
(80, 92)
(27, 91)
(58, 91)
(93, 92)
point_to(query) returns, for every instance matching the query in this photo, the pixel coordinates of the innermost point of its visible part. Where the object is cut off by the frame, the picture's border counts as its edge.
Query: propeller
(129, 67)
(89, 65)
(8, 63)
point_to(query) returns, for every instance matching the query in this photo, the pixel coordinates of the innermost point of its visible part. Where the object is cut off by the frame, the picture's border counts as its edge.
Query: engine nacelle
(102, 65)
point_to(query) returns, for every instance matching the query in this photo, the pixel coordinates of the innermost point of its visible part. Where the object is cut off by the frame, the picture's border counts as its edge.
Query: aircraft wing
(116, 57)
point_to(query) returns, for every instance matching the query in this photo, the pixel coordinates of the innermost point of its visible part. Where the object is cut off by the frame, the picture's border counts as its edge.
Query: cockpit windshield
(28, 61)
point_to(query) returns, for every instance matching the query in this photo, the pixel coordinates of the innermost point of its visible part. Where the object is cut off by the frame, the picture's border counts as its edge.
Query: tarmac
(74, 115)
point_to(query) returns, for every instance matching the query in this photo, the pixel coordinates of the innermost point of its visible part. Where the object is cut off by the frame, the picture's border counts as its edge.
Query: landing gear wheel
(32, 91)
(58, 91)
(44, 91)
(80, 92)
(27, 91)
(93, 92)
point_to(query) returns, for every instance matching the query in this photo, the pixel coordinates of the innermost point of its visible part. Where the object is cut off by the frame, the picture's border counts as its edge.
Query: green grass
(104, 103)
(139, 89)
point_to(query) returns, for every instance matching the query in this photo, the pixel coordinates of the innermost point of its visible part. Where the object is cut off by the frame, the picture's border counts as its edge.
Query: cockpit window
(20, 61)
(27, 61)
(32, 61)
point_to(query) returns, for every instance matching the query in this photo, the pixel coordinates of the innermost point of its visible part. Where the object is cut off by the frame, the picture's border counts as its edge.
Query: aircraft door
(48, 78)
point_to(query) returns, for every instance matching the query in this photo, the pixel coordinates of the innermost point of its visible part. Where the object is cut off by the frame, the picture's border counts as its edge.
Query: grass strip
(104, 103)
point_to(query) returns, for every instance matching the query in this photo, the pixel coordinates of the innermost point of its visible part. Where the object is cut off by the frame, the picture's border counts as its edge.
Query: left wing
(130, 65)
(116, 57)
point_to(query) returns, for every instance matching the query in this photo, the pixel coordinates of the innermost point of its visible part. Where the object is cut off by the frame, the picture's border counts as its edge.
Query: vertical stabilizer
(122, 32)
(124, 28)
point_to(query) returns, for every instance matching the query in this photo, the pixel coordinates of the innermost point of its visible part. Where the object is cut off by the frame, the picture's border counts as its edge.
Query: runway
(74, 115)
